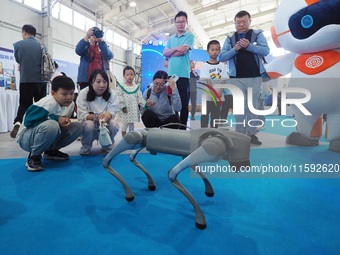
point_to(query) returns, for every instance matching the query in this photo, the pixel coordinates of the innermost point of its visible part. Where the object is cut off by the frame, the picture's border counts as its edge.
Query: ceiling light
(132, 4)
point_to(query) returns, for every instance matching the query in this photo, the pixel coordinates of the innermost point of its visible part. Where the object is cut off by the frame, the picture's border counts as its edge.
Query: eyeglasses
(160, 85)
(180, 22)
(241, 22)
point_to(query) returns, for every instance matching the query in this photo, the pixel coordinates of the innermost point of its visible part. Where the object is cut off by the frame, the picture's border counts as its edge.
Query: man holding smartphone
(244, 50)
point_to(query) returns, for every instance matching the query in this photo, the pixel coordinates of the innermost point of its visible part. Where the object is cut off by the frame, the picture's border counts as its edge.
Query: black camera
(97, 32)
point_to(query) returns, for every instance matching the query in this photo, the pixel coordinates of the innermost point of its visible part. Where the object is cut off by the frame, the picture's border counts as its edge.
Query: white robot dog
(195, 146)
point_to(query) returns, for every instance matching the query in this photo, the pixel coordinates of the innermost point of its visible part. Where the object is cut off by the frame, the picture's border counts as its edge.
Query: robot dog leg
(132, 156)
(155, 140)
(175, 142)
(211, 149)
(198, 146)
(132, 140)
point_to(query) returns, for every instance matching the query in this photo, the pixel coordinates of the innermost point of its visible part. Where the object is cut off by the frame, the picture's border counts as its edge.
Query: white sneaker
(84, 151)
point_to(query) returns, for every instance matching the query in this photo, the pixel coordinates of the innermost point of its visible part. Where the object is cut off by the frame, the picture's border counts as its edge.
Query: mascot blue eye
(307, 21)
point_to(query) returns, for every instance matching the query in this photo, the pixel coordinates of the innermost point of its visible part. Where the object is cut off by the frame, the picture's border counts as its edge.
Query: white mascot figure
(310, 31)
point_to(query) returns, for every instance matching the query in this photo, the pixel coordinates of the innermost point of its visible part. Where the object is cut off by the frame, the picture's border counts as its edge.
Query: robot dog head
(237, 146)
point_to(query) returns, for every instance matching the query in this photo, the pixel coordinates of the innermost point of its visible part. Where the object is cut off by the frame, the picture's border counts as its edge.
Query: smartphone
(241, 35)
(168, 88)
(174, 77)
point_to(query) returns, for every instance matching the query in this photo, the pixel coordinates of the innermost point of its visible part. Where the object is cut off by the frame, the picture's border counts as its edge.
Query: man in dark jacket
(28, 53)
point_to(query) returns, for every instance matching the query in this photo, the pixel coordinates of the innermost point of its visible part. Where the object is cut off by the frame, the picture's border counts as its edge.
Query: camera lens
(97, 32)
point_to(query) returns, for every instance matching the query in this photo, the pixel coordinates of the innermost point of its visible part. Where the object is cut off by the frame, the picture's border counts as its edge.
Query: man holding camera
(93, 52)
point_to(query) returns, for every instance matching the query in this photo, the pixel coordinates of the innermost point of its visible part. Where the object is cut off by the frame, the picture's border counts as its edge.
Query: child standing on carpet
(47, 126)
(95, 103)
(130, 100)
(213, 72)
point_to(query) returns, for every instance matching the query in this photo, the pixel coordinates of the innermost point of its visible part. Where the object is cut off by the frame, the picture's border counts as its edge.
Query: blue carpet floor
(76, 207)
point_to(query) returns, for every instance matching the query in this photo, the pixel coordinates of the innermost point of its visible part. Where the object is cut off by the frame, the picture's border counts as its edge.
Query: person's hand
(64, 121)
(194, 73)
(244, 43)
(237, 46)
(172, 84)
(166, 63)
(149, 103)
(88, 34)
(183, 48)
(106, 116)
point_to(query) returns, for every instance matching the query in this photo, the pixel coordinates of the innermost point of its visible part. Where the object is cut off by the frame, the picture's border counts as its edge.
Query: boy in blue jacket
(47, 127)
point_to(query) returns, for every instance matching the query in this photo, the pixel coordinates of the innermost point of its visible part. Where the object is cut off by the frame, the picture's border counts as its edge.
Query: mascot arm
(281, 66)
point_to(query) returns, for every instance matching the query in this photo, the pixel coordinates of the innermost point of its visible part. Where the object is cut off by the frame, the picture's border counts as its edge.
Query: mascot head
(305, 26)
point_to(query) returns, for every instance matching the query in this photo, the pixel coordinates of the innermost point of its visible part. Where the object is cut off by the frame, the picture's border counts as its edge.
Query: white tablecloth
(9, 103)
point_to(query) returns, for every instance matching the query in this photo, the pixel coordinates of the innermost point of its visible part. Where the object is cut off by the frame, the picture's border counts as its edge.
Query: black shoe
(34, 164)
(15, 129)
(254, 140)
(55, 155)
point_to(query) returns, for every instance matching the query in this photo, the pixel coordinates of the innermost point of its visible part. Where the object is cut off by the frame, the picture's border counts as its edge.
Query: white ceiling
(151, 19)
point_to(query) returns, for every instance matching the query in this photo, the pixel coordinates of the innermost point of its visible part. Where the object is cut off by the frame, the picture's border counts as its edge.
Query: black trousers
(214, 112)
(193, 96)
(27, 93)
(226, 106)
(150, 120)
(183, 86)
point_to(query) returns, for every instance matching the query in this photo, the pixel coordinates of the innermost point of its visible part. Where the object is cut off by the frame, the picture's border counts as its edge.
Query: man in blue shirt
(178, 51)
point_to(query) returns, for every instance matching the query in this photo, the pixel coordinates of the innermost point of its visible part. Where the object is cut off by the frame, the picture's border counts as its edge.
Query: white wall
(64, 37)
(13, 16)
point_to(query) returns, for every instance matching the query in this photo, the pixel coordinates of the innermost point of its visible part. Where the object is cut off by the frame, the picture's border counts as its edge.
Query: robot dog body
(195, 146)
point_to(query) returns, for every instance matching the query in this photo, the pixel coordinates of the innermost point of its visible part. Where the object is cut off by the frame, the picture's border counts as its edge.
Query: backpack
(47, 65)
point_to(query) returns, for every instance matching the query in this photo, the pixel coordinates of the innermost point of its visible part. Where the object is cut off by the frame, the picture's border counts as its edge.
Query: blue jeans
(91, 133)
(49, 135)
